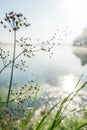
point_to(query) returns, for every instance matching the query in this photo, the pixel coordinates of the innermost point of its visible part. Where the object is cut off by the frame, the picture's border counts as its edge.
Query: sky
(45, 17)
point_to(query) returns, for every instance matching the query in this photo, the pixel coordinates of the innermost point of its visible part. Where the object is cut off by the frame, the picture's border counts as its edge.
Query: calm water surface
(58, 74)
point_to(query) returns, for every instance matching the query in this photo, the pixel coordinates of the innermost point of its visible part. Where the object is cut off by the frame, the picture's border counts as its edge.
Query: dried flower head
(16, 20)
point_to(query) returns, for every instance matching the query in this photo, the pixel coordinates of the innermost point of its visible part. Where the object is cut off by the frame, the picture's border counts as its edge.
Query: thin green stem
(12, 69)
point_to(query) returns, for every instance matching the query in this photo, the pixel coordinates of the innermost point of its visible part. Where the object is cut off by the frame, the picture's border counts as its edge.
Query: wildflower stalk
(12, 68)
(18, 57)
(11, 61)
(16, 21)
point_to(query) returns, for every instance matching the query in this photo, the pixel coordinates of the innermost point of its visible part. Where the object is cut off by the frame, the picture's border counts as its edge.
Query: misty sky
(46, 16)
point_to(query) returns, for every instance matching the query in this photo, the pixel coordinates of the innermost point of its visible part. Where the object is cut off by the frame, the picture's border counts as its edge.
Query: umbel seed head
(16, 20)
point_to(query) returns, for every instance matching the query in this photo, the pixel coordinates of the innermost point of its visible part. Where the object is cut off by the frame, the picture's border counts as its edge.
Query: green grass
(58, 117)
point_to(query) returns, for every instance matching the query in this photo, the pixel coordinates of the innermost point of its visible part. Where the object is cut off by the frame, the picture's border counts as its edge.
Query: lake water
(58, 74)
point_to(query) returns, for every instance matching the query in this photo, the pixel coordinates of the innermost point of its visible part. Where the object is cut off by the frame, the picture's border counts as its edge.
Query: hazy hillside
(82, 39)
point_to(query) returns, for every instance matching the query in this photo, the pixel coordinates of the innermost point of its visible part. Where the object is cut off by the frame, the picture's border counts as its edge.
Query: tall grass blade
(56, 120)
(26, 121)
(73, 94)
(81, 126)
(58, 117)
(79, 81)
(39, 126)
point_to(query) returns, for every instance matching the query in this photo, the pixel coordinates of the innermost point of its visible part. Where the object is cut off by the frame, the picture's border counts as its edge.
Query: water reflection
(42, 69)
(81, 53)
(80, 47)
(69, 83)
(57, 76)
(52, 94)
